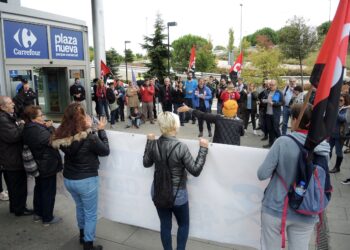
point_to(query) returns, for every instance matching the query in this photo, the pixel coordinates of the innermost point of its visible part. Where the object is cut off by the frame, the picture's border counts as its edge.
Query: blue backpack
(312, 171)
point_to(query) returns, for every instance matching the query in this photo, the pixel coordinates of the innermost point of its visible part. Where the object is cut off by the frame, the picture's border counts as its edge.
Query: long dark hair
(73, 121)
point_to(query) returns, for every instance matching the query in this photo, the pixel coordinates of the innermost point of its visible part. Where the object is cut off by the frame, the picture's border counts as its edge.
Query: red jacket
(229, 96)
(147, 93)
(101, 93)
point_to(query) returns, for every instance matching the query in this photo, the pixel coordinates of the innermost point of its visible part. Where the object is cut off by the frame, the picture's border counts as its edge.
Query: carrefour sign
(67, 44)
(24, 40)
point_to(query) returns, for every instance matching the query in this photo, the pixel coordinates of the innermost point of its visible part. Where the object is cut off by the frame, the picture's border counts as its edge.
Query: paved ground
(22, 233)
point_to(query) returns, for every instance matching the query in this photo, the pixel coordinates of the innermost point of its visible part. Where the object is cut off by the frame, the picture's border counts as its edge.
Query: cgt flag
(192, 64)
(236, 68)
(105, 70)
(327, 77)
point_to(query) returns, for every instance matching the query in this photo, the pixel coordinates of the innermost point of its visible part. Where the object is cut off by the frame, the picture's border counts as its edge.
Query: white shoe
(4, 196)
(112, 126)
(254, 132)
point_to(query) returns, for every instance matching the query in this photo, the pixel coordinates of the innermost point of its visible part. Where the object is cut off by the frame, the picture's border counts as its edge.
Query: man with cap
(228, 127)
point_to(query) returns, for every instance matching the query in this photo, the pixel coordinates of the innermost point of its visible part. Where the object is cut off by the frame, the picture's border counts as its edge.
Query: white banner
(224, 200)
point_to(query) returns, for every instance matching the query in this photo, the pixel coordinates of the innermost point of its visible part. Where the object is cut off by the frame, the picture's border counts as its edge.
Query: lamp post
(126, 62)
(169, 24)
(241, 30)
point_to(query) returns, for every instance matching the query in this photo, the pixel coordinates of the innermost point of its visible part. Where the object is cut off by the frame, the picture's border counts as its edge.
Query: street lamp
(126, 63)
(169, 24)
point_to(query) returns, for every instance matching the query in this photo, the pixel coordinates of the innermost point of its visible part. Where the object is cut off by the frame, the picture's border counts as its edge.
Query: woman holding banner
(178, 160)
(82, 147)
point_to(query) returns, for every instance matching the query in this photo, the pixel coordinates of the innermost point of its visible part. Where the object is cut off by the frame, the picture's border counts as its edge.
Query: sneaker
(4, 196)
(255, 132)
(112, 126)
(193, 122)
(127, 126)
(346, 182)
(37, 218)
(200, 134)
(53, 221)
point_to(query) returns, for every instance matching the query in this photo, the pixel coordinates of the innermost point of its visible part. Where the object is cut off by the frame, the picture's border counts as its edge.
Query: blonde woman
(180, 161)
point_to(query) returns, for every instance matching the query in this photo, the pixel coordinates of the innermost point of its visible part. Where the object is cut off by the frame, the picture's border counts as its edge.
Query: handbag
(30, 165)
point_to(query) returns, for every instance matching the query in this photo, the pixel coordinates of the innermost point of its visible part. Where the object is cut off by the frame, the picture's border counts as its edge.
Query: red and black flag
(105, 70)
(192, 63)
(327, 76)
(236, 68)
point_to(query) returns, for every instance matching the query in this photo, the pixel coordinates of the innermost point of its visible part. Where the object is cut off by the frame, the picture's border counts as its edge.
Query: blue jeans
(182, 216)
(219, 108)
(103, 108)
(286, 114)
(85, 195)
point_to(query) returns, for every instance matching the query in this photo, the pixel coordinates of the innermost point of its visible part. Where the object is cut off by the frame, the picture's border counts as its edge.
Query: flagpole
(240, 49)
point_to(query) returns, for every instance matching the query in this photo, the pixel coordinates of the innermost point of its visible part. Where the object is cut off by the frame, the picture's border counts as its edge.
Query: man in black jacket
(25, 97)
(77, 91)
(11, 157)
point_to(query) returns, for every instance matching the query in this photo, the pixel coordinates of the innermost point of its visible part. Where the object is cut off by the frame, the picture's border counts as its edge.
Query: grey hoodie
(283, 158)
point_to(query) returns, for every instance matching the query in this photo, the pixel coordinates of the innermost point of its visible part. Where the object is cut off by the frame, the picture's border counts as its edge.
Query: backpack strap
(284, 212)
(167, 164)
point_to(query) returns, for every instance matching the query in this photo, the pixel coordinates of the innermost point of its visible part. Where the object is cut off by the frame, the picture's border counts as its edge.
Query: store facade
(48, 50)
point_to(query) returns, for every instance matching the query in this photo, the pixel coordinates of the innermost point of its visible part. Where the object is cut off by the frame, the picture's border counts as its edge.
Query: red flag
(238, 64)
(104, 69)
(192, 64)
(327, 77)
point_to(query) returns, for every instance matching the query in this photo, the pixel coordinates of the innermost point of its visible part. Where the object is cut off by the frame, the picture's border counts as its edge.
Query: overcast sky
(132, 19)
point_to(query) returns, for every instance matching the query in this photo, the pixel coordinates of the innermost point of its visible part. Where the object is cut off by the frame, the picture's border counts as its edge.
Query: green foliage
(91, 53)
(220, 47)
(323, 28)
(266, 63)
(297, 39)
(129, 56)
(205, 59)
(113, 60)
(269, 33)
(231, 40)
(138, 56)
(157, 51)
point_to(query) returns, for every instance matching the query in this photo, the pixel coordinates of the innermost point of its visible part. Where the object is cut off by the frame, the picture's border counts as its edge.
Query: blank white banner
(225, 200)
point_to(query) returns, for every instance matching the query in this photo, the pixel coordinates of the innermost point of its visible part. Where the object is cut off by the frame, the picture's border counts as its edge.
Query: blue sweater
(190, 86)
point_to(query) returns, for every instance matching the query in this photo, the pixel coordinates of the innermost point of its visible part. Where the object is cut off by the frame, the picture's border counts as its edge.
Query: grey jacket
(179, 160)
(283, 158)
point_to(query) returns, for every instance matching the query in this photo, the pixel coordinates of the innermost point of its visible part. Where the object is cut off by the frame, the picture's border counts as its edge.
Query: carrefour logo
(26, 39)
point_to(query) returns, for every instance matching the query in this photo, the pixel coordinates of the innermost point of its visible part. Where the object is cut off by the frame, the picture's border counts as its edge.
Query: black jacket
(179, 160)
(24, 99)
(48, 159)
(227, 130)
(178, 97)
(81, 153)
(162, 94)
(77, 89)
(10, 143)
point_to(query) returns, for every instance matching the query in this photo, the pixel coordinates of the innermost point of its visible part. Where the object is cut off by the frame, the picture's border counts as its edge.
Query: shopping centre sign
(24, 40)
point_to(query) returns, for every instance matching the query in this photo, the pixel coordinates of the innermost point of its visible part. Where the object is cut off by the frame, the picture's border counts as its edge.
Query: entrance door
(52, 89)
(16, 75)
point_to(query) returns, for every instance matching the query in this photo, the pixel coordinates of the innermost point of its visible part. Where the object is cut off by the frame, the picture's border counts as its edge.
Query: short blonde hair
(168, 122)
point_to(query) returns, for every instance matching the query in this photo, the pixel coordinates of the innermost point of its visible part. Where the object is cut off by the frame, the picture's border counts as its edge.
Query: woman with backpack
(281, 165)
(339, 132)
(172, 158)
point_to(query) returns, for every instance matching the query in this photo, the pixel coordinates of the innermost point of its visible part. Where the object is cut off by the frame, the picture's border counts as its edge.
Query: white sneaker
(112, 126)
(254, 132)
(4, 196)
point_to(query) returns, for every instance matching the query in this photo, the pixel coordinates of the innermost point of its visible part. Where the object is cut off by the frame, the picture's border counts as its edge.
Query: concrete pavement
(22, 233)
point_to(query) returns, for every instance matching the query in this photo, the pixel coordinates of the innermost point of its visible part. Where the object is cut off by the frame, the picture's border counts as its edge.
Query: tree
(220, 47)
(297, 40)
(205, 59)
(129, 56)
(91, 53)
(266, 63)
(269, 33)
(113, 60)
(157, 51)
(322, 31)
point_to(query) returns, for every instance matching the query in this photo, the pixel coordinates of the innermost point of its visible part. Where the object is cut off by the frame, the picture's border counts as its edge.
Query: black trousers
(44, 197)
(16, 182)
(201, 121)
(167, 106)
(1, 188)
(273, 127)
(249, 113)
(188, 115)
